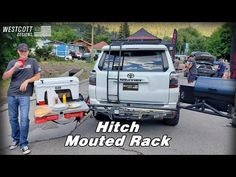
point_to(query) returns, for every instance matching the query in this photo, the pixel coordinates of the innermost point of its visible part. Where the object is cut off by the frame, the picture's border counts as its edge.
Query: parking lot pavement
(196, 133)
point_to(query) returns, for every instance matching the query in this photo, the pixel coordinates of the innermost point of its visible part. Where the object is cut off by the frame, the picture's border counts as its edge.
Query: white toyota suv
(135, 80)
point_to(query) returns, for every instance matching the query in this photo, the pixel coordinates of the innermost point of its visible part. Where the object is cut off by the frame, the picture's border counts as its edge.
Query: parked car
(199, 53)
(85, 56)
(137, 82)
(205, 64)
(73, 55)
(206, 69)
(76, 54)
(68, 57)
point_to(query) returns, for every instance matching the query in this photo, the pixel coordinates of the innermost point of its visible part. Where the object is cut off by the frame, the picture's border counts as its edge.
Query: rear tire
(101, 117)
(234, 122)
(172, 122)
(233, 117)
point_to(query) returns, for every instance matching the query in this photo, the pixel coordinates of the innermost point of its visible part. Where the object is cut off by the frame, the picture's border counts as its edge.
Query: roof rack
(135, 41)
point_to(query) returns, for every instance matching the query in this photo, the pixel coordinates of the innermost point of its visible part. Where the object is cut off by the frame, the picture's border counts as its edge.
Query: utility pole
(92, 41)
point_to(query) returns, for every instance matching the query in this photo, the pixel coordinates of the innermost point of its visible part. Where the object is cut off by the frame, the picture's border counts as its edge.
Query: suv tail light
(92, 77)
(173, 80)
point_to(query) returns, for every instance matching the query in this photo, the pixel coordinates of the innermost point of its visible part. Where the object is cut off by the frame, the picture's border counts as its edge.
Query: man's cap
(23, 47)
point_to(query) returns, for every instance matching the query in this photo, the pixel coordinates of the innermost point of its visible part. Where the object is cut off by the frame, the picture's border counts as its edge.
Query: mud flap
(187, 94)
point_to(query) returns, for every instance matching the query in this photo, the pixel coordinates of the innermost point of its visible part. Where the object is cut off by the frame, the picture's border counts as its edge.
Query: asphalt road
(196, 133)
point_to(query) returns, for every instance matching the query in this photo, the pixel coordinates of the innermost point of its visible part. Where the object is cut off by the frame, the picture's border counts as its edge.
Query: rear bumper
(135, 111)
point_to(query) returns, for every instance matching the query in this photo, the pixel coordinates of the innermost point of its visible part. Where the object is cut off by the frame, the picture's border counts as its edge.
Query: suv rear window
(141, 60)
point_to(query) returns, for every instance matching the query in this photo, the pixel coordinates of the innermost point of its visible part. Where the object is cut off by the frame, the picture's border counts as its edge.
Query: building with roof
(83, 43)
(98, 47)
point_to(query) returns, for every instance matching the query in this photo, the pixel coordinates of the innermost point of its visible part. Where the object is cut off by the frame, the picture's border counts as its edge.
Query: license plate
(130, 86)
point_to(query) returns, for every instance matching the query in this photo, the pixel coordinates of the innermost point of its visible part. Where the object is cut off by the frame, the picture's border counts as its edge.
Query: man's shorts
(191, 77)
(220, 75)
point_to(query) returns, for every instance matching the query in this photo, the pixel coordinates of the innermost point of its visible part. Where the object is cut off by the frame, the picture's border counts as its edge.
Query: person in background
(23, 72)
(221, 68)
(176, 63)
(192, 69)
(226, 74)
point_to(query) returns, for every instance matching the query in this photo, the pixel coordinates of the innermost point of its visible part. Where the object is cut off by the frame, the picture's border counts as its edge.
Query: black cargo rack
(135, 41)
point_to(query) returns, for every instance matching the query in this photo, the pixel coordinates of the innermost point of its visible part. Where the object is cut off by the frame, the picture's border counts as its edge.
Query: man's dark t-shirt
(193, 69)
(31, 68)
(221, 68)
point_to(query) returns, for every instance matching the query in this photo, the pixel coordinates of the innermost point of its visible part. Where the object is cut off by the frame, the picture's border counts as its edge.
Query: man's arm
(8, 74)
(34, 78)
(189, 65)
(24, 85)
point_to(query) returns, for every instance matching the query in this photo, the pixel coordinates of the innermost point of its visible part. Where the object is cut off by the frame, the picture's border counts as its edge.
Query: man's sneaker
(25, 150)
(13, 145)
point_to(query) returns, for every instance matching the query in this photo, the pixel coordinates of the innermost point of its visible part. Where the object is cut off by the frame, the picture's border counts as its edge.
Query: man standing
(176, 64)
(192, 68)
(221, 68)
(23, 72)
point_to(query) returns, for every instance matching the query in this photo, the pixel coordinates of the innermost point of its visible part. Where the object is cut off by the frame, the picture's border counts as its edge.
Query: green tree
(219, 43)
(191, 36)
(198, 44)
(87, 35)
(124, 31)
(63, 33)
(43, 52)
(167, 38)
(113, 35)
(102, 34)
(100, 30)
(121, 34)
(100, 38)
